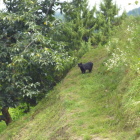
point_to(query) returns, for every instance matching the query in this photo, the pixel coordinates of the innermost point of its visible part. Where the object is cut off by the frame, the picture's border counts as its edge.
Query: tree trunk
(6, 115)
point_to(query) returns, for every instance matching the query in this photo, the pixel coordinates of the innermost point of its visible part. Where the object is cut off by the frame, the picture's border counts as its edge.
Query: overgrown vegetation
(104, 104)
(37, 49)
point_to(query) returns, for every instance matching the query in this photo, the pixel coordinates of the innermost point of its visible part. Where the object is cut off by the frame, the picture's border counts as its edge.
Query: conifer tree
(109, 10)
(79, 26)
(106, 18)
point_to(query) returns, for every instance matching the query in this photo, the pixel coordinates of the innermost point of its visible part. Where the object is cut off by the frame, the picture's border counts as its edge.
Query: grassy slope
(85, 106)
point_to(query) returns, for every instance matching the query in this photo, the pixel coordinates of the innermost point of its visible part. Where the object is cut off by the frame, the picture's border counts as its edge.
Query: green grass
(104, 104)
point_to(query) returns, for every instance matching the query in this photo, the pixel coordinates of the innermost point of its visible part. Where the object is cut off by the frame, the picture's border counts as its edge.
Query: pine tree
(109, 10)
(79, 26)
(106, 18)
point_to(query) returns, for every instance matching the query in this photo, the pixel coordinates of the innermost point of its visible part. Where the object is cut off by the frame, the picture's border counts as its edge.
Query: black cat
(86, 66)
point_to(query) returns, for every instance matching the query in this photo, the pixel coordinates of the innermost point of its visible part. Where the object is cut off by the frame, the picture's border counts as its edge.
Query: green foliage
(16, 113)
(106, 19)
(31, 61)
(78, 28)
(2, 126)
(127, 55)
(123, 51)
(37, 50)
(103, 104)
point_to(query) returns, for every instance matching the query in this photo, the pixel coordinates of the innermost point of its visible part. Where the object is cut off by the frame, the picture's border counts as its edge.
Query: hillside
(134, 12)
(101, 105)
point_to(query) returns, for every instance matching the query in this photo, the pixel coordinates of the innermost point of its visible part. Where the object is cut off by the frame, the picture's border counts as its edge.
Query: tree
(31, 60)
(37, 50)
(106, 18)
(6, 116)
(79, 26)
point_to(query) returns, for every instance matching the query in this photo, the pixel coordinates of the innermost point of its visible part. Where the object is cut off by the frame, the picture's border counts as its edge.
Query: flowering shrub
(124, 50)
